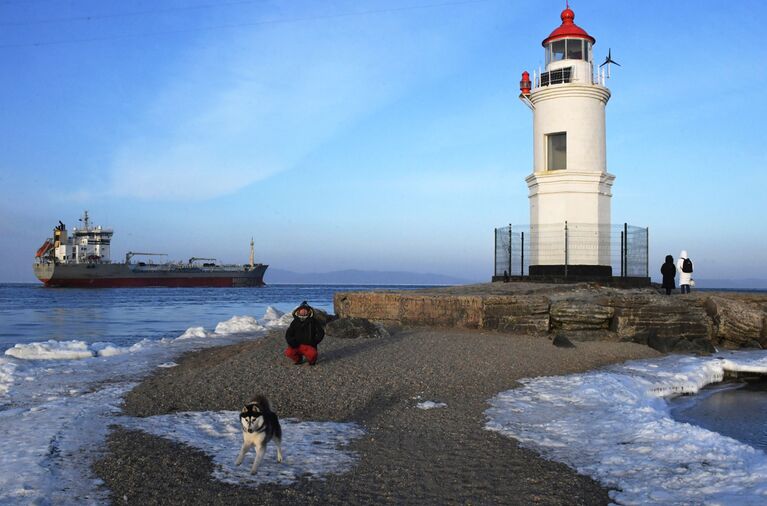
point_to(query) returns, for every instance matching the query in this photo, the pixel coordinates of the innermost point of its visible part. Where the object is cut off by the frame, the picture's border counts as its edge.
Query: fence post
(647, 253)
(566, 252)
(622, 240)
(626, 256)
(522, 251)
(509, 249)
(495, 252)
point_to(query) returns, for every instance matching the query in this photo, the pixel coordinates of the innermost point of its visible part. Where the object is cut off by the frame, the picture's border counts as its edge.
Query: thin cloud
(228, 122)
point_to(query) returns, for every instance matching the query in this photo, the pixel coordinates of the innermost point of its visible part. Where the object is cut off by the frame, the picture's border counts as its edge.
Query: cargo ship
(82, 259)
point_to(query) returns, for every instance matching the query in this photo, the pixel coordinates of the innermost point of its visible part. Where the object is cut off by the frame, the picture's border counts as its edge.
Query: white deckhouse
(570, 185)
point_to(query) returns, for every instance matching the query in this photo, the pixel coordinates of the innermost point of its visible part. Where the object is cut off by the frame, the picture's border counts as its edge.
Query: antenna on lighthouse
(609, 60)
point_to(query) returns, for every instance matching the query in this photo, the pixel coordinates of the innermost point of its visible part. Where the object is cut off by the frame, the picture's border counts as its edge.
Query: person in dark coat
(668, 270)
(303, 335)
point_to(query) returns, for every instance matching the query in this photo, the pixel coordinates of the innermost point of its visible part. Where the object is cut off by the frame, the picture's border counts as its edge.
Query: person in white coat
(684, 266)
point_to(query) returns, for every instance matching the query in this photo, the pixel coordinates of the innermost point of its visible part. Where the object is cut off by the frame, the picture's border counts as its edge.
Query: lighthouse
(569, 188)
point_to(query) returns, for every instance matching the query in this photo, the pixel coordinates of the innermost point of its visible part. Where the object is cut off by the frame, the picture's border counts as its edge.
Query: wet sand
(408, 456)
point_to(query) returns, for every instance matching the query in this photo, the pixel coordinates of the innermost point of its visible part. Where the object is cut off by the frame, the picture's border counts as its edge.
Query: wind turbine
(608, 61)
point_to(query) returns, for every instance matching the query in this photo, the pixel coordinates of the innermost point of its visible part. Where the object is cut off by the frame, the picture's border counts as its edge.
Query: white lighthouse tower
(570, 188)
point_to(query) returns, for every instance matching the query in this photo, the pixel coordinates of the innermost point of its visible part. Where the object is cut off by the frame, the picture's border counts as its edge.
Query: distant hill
(357, 277)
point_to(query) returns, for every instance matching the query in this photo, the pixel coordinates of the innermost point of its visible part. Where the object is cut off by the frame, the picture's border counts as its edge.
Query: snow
(430, 405)
(309, 448)
(615, 425)
(47, 448)
(58, 398)
(50, 350)
(72, 350)
(193, 332)
(238, 325)
(76, 349)
(6, 375)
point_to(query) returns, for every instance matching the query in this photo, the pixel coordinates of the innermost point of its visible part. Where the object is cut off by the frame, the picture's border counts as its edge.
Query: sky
(374, 135)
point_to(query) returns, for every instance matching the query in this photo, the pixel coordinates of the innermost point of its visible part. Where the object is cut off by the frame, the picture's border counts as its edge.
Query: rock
(527, 314)
(462, 311)
(352, 328)
(580, 315)
(694, 322)
(703, 345)
(668, 319)
(322, 317)
(737, 322)
(562, 342)
(409, 309)
(663, 344)
(639, 337)
(669, 344)
(377, 306)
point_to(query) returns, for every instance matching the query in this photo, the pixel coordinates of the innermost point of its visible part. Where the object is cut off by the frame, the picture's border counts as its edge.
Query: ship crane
(194, 259)
(131, 254)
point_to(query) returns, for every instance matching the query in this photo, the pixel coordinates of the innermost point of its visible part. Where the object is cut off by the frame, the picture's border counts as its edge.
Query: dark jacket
(304, 331)
(668, 270)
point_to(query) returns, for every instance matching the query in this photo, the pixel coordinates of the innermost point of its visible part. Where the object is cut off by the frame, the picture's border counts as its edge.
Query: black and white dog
(259, 426)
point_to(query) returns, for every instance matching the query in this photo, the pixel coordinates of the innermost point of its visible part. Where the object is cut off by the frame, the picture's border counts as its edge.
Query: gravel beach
(408, 455)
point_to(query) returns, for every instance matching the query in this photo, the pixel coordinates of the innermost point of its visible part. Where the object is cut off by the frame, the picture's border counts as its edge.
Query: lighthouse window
(575, 49)
(558, 50)
(556, 151)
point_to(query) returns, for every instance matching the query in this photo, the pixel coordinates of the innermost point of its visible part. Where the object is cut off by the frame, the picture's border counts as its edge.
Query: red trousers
(301, 351)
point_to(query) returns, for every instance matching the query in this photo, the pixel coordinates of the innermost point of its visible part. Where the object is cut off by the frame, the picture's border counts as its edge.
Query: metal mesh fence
(623, 247)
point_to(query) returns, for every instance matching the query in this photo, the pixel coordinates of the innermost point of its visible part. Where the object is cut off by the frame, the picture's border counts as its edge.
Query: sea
(67, 356)
(661, 431)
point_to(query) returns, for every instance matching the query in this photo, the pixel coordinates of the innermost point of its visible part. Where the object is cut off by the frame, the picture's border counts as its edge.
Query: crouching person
(303, 335)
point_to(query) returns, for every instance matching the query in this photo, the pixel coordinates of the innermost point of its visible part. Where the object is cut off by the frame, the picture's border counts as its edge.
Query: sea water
(67, 356)
(735, 408)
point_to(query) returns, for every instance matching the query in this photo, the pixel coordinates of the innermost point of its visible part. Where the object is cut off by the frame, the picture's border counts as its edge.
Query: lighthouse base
(572, 272)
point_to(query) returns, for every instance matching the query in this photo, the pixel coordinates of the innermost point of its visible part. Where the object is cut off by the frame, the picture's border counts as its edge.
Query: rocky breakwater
(696, 322)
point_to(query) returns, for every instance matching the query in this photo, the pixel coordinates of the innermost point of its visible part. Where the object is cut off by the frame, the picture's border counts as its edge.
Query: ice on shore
(276, 318)
(238, 325)
(7, 369)
(77, 349)
(57, 401)
(309, 448)
(51, 350)
(615, 425)
(193, 332)
(48, 448)
(74, 350)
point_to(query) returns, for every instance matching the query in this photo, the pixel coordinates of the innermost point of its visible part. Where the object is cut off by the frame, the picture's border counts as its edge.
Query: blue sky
(381, 135)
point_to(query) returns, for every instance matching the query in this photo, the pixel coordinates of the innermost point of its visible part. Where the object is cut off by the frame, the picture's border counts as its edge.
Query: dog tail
(263, 402)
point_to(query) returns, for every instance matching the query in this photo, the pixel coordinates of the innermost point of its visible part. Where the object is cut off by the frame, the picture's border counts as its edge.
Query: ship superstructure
(82, 259)
(85, 245)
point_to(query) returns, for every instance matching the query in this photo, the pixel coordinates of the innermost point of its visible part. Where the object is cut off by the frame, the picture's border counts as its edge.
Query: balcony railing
(563, 76)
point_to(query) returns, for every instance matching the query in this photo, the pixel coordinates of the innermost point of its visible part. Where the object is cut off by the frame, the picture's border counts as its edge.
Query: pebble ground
(408, 455)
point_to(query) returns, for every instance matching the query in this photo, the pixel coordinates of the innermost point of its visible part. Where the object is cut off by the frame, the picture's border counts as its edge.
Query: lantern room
(568, 53)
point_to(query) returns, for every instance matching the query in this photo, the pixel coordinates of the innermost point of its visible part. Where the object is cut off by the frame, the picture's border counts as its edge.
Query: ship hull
(130, 275)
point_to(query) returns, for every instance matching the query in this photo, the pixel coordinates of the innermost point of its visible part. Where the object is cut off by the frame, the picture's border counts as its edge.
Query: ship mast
(86, 221)
(252, 254)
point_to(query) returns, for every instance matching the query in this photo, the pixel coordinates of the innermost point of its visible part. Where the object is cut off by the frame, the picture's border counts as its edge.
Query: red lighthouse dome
(568, 29)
